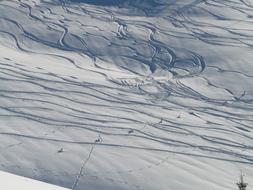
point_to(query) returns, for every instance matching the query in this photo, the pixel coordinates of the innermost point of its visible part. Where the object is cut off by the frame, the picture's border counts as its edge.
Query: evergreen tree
(241, 184)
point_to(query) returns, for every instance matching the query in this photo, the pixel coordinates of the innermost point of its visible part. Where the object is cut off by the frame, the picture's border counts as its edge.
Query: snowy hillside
(127, 94)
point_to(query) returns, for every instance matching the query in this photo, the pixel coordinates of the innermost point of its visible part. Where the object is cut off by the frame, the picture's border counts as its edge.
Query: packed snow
(127, 94)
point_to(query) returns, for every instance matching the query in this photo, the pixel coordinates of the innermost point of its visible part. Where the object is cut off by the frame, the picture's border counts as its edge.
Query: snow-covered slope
(12, 182)
(113, 95)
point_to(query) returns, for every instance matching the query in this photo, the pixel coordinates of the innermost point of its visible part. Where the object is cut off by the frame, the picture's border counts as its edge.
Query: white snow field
(127, 94)
(12, 182)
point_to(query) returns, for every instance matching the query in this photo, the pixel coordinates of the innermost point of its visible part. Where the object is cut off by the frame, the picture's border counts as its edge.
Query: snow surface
(116, 95)
(12, 182)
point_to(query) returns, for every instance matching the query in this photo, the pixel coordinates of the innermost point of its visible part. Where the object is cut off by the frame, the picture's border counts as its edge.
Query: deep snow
(120, 95)
(12, 182)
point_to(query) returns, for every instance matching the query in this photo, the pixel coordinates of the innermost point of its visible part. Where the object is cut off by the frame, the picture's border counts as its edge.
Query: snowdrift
(14, 182)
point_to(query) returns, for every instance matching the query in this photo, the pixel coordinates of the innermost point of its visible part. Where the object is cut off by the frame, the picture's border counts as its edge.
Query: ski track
(167, 85)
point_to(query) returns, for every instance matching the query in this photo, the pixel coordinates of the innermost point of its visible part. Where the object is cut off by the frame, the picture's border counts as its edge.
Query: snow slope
(11, 182)
(121, 94)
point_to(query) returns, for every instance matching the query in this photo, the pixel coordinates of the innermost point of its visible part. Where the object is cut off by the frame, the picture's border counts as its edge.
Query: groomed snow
(119, 95)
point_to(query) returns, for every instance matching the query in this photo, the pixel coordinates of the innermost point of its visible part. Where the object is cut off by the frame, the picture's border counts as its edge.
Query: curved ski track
(167, 88)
